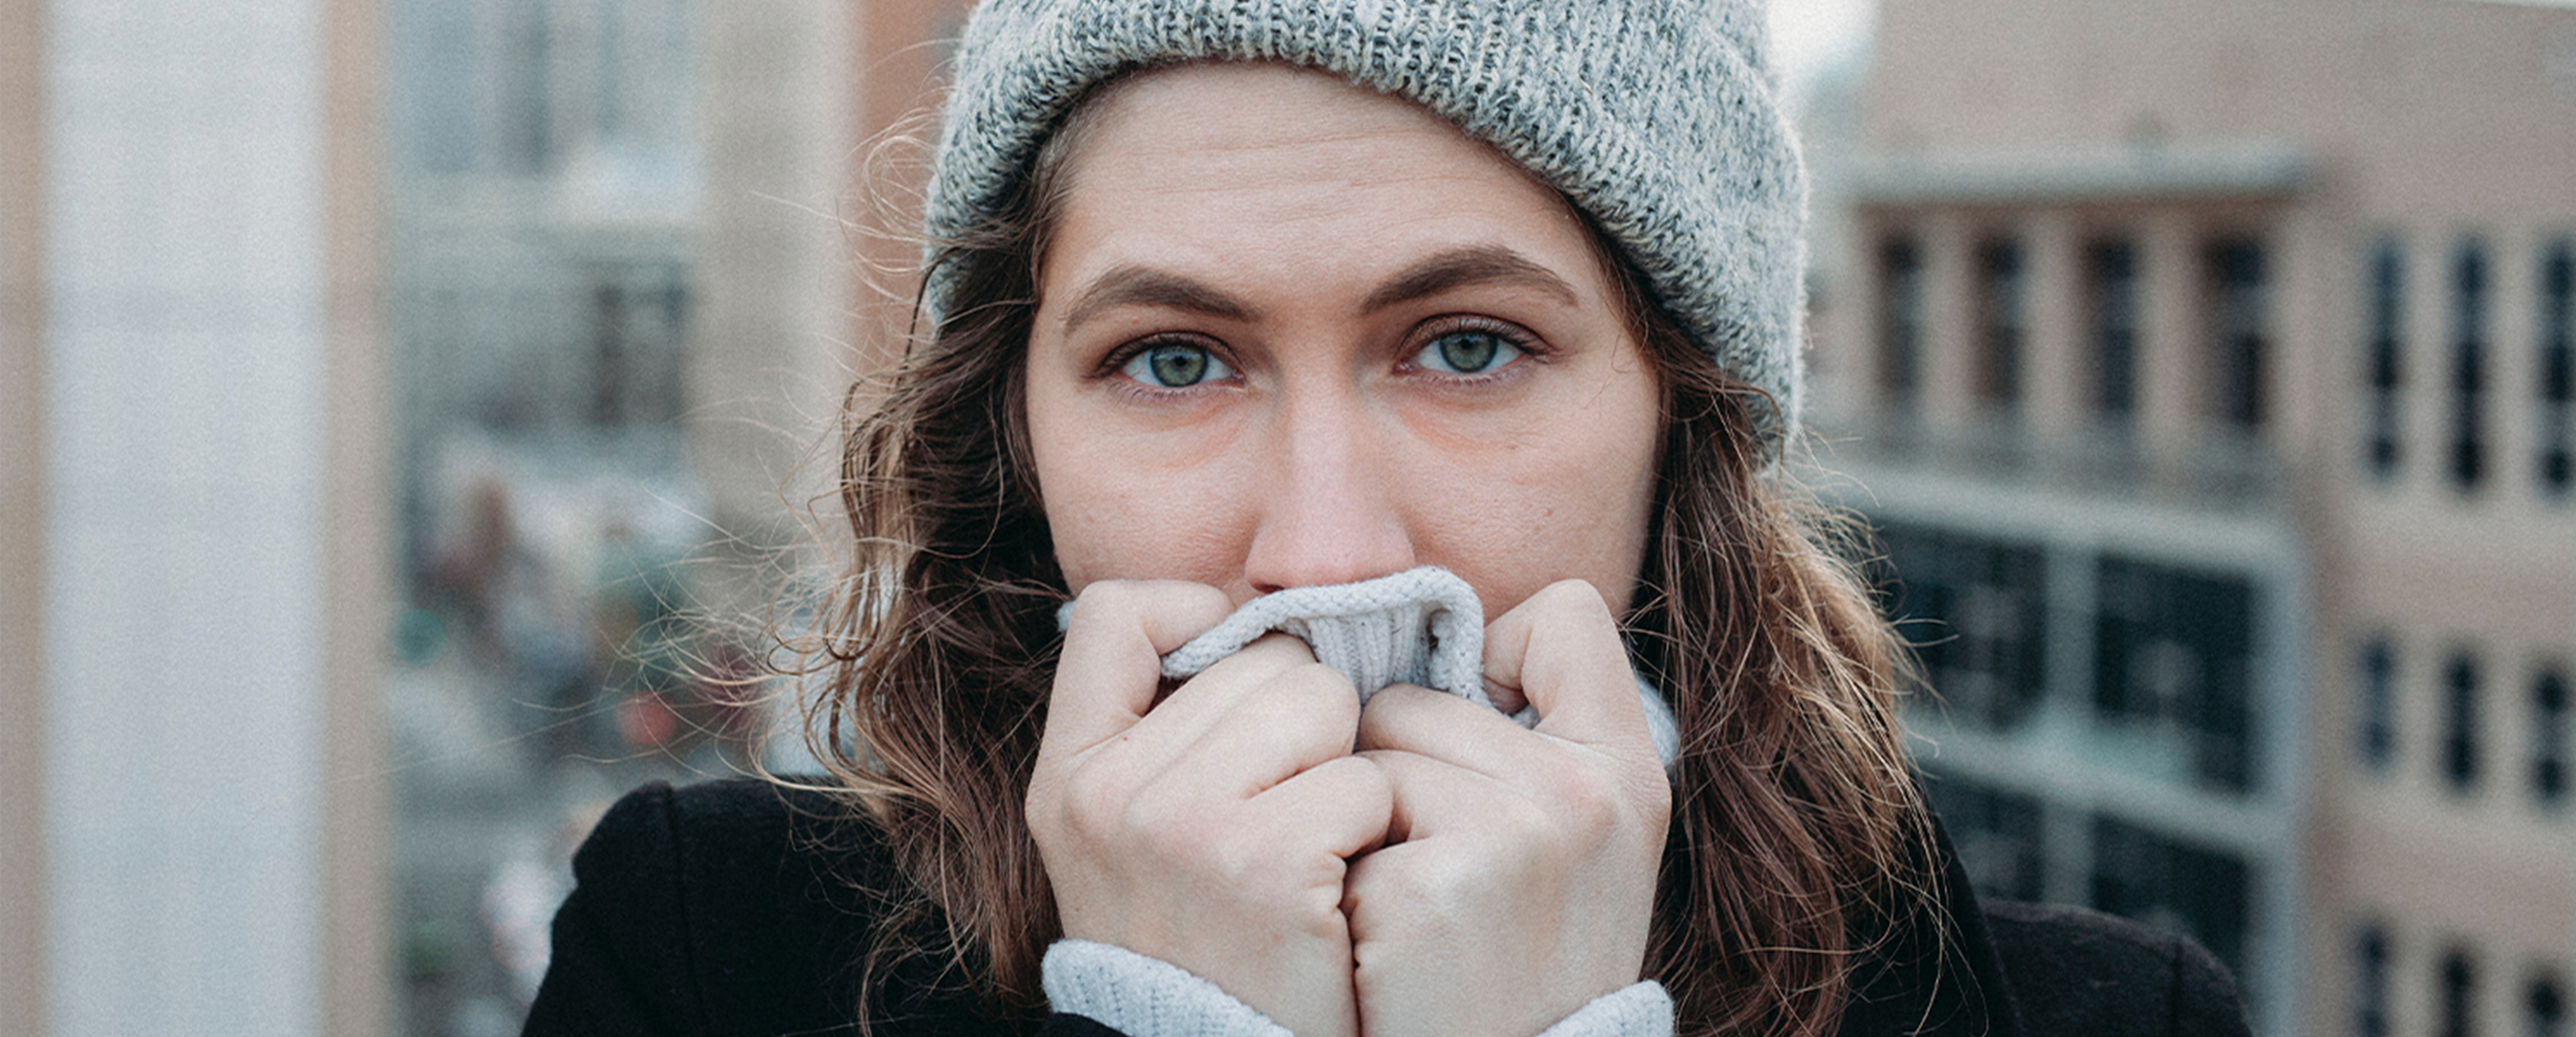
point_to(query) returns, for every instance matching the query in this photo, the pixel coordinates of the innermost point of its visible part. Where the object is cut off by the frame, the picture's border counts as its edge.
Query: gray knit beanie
(1658, 118)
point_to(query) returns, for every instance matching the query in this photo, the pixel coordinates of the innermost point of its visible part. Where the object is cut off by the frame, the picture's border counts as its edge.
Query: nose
(1329, 510)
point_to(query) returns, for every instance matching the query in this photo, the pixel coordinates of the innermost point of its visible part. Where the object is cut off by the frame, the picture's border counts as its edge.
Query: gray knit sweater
(1422, 626)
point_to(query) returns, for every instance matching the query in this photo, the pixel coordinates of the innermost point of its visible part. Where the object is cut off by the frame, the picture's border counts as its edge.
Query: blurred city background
(410, 409)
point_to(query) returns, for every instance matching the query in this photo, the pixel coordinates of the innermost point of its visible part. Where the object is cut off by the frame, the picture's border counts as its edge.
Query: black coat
(737, 908)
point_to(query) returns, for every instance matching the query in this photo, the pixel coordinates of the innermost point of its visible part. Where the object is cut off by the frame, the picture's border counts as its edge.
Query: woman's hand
(1518, 879)
(1209, 830)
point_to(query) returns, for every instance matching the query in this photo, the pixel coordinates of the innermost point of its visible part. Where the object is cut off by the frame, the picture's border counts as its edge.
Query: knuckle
(1102, 597)
(1238, 863)
(1147, 821)
(1306, 705)
(1280, 645)
(1444, 884)
(1573, 595)
(1094, 806)
(1322, 689)
(1365, 783)
(1588, 807)
(1044, 810)
(1533, 824)
(1651, 792)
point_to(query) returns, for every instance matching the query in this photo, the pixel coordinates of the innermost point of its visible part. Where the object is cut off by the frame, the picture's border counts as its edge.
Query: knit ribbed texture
(1641, 1009)
(1421, 626)
(1657, 118)
(1143, 997)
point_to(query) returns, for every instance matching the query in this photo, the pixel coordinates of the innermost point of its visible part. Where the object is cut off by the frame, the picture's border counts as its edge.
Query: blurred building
(192, 538)
(546, 179)
(628, 291)
(2208, 366)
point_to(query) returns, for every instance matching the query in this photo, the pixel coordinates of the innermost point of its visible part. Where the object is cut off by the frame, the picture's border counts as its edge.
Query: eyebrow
(1471, 266)
(1142, 286)
(1449, 270)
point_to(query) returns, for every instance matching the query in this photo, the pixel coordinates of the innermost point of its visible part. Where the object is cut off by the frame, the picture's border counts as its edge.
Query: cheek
(1114, 519)
(1572, 502)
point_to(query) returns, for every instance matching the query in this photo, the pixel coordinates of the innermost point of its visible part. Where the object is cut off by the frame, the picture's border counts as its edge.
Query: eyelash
(1531, 348)
(1519, 338)
(1113, 366)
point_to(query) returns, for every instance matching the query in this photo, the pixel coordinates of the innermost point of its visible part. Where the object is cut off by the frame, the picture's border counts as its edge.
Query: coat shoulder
(2074, 970)
(729, 907)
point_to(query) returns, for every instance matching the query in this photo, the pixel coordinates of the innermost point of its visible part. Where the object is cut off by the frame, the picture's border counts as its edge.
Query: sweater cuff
(1148, 997)
(1640, 1009)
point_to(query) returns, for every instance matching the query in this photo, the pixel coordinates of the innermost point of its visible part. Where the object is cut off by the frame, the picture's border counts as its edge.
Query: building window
(2111, 295)
(528, 95)
(2000, 320)
(2370, 982)
(2544, 1005)
(2549, 736)
(1977, 607)
(2469, 297)
(1900, 322)
(2202, 893)
(2387, 353)
(437, 71)
(2236, 311)
(2455, 1002)
(2174, 648)
(610, 118)
(639, 328)
(1997, 833)
(2558, 368)
(2460, 722)
(2378, 703)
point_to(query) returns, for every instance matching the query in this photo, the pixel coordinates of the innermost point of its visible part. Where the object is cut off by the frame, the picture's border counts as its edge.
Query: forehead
(1265, 169)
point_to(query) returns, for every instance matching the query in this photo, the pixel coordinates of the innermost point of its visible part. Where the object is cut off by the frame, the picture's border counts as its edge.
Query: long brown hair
(1796, 827)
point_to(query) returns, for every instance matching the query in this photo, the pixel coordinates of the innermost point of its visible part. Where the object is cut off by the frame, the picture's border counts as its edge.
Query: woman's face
(1291, 332)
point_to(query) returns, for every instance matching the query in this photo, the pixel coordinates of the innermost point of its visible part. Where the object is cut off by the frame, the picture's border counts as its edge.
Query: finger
(1203, 702)
(1113, 647)
(1561, 649)
(1300, 717)
(1427, 796)
(1441, 726)
(1344, 801)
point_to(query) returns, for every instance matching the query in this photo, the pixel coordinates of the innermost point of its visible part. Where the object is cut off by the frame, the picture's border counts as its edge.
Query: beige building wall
(191, 478)
(23, 933)
(2321, 127)
(902, 47)
(356, 915)
(818, 114)
(769, 351)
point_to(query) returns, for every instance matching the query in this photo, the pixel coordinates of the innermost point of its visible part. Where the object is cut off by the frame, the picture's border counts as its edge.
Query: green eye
(1175, 365)
(1467, 352)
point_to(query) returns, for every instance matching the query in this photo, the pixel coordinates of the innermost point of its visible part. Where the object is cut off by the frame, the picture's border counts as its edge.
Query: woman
(1326, 319)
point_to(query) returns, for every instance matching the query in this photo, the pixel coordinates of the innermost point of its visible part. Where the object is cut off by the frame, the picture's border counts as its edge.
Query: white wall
(186, 183)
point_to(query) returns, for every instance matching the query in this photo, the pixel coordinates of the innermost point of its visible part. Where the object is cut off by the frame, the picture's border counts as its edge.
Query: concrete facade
(814, 113)
(771, 335)
(24, 961)
(195, 545)
(2260, 296)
